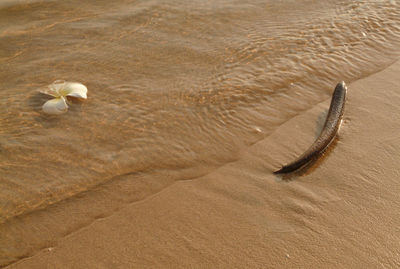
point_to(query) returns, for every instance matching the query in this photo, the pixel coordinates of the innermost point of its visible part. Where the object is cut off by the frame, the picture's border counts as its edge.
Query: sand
(344, 212)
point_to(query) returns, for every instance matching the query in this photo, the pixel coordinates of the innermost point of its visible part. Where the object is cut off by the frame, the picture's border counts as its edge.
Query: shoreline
(341, 213)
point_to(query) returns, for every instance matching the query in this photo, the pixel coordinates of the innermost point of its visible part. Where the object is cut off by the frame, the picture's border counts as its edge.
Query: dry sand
(343, 213)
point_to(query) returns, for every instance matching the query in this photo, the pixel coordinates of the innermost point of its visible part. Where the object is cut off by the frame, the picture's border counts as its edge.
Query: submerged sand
(344, 212)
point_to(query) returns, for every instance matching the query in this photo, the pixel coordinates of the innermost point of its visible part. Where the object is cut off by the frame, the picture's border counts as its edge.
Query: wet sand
(343, 212)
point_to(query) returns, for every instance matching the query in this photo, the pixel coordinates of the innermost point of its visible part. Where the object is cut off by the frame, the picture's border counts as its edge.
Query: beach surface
(343, 212)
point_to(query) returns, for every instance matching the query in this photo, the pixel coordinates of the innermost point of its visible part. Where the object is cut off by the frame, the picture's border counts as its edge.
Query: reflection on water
(176, 88)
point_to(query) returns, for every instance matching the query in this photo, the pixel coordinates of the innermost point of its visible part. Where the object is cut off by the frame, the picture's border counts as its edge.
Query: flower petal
(75, 89)
(58, 85)
(55, 88)
(55, 106)
(49, 91)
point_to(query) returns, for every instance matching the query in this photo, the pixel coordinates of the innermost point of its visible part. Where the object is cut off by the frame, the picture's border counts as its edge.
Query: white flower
(60, 89)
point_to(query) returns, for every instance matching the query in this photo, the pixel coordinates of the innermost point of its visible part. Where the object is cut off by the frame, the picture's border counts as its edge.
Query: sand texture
(344, 212)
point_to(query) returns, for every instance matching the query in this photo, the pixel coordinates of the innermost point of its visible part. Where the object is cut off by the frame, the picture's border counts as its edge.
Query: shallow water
(176, 89)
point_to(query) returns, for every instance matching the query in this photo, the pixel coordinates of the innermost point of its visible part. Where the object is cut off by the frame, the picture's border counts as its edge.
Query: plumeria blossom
(60, 89)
